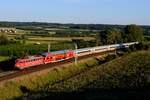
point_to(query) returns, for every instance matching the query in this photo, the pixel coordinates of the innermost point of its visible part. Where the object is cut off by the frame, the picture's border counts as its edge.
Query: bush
(110, 57)
(3, 39)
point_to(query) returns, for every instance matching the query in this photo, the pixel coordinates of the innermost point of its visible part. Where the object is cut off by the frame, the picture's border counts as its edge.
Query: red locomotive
(44, 59)
(58, 55)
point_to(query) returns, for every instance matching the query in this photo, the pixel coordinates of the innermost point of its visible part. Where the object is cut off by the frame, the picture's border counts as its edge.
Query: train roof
(56, 52)
(29, 58)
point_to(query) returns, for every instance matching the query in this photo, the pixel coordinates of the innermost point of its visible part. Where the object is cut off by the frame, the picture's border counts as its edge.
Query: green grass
(4, 58)
(36, 82)
(127, 72)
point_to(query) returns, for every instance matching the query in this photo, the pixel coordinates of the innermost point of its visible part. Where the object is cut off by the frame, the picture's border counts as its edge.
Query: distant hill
(59, 25)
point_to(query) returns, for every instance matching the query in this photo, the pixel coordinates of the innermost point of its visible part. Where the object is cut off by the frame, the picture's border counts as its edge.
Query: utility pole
(76, 56)
(49, 46)
(115, 51)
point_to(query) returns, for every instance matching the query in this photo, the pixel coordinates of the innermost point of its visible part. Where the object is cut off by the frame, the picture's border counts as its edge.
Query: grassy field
(14, 89)
(47, 39)
(33, 38)
(59, 38)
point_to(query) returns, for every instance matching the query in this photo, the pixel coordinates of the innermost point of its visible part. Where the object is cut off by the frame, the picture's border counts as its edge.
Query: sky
(77, 11)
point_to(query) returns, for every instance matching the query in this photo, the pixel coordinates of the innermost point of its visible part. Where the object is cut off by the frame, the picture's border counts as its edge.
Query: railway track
(13, 74)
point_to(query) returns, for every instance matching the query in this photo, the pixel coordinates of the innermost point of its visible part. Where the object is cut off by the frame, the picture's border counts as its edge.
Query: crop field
(31, 39)
(59, 38)
(55, 39)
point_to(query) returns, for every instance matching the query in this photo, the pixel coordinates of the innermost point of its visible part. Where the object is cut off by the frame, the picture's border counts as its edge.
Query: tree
(133, 33)
(98, 39)
(109, 36)
(113, 36)
(3, 39)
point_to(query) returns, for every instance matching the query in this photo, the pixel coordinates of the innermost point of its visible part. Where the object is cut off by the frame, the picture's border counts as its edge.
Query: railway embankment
(94, 74)
(126, 77)
(36, 81)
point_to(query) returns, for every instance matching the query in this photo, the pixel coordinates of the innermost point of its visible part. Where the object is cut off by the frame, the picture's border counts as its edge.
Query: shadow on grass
(7, 65)
(90, 94)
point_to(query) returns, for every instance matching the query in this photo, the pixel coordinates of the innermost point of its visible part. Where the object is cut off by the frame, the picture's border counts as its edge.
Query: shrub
(3, 39)
(110, 57)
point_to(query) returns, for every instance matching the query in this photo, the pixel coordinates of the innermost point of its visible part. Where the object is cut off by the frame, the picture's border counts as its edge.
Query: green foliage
(109, 36)
(128, 72)
(130, 33)
(110, 57)
(133, 33)
(83, 44)
(146, 33)
(139, 46)
(4, 58)
(21, 50)
(3, 39)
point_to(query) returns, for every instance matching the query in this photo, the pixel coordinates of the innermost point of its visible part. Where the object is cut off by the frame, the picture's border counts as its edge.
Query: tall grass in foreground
(127, 72)
(37, 82)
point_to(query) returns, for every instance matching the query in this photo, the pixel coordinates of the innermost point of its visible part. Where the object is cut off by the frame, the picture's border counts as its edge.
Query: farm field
(36, 37)
(59, 38)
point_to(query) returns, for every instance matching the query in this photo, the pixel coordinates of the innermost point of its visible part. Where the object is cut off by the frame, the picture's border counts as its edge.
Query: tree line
(131, 33)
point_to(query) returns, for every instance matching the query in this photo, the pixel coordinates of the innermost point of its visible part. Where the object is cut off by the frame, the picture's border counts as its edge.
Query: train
(56, 56)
